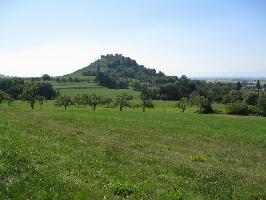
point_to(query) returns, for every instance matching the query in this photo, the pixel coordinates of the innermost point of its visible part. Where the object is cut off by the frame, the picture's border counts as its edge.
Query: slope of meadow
(73, 89)
(51, 153)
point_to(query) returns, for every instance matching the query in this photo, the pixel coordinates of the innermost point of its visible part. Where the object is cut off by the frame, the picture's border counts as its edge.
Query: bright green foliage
(63, 100)
(250, 98)
(86, 99)
(233, 97)
(145, 103)
(29, 94)
(196, 100)
(107, 101)
(77, 100)
(262, 104)
(123, 101)
(205, 107)
(32, 90)
(4, 97)
(182, 104)
(94, 101)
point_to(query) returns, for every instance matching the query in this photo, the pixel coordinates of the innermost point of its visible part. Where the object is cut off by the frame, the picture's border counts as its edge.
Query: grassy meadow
(50, 153)
(73, 89)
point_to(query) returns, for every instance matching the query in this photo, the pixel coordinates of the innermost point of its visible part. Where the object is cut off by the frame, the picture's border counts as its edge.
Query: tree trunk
(32, 105)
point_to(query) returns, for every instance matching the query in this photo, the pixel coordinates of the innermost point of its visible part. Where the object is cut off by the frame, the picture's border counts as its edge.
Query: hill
(119, 66)
(2, 76)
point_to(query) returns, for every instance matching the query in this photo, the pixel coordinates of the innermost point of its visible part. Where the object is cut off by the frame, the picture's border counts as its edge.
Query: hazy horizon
(197, 38)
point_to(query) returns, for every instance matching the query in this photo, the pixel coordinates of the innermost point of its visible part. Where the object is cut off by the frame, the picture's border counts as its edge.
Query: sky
(197, 38)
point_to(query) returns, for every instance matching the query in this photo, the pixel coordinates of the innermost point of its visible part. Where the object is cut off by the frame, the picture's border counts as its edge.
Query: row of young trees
(93, 100)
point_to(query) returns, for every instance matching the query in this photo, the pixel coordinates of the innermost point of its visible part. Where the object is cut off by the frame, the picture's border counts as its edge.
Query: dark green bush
(238, 108)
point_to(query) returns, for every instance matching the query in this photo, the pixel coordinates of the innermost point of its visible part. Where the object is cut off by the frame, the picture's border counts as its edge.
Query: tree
(262, 104)
(29, 94)
(40, 100)
(258, 86)
(4, 96)
(122, 101)
(77, 100)
(238, 85)
(107, 101)
(46, 77)
(95, 100)
(182, 104)
(10, 100)
(86, 99)
(136, 85)
(233, 97)
(146, 103)
(45, 90)
(32, 90)
(250, 98)
(205, 107)
(63, 100)
(196, 100)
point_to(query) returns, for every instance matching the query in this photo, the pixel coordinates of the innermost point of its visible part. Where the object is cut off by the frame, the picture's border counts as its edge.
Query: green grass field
(51, 153)
(73, 89)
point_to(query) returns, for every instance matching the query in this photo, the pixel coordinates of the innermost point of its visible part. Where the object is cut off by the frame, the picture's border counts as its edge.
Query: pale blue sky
(192, 37)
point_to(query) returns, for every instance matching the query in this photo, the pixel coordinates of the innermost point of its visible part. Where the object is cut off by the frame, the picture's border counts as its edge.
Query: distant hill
(119, 66)
(2, 76)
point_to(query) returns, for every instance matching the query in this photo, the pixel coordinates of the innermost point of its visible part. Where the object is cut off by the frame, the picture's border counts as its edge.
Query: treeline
(113, 83)
(184, 87)
(245, 103)
(66, 79)
(19, 89)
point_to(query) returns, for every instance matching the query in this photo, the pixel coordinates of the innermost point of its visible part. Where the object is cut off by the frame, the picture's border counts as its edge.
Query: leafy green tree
(136, 85)
(107, 101)
(196, 100)
(95, 100)
(233, 97)
(262, 104)
(40, 100)
(145, 103)
(123, 101)
(77, 100)
(205, 107)
(63, 100)
(86, 99)
(29, 94)
(182, 104)
(4, 96)
(46, 77)
(250, 98)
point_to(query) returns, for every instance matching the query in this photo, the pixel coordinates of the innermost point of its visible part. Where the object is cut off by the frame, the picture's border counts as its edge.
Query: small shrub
(205, 107)
(123, 189)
